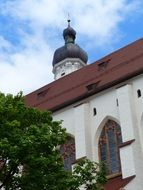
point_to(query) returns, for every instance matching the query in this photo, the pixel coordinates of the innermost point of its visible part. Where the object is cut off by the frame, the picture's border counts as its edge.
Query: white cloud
(28, 73)
(28, 65)
(92, 18)
(27, 69)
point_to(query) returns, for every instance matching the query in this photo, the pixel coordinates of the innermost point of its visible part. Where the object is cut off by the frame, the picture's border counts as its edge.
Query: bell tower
(69, 57)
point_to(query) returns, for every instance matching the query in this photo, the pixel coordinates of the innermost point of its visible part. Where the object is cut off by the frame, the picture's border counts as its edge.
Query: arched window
(109, 141)
(68, 153)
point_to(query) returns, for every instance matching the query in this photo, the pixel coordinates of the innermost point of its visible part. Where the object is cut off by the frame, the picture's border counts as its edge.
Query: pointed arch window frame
(107, 154)
(68, 153)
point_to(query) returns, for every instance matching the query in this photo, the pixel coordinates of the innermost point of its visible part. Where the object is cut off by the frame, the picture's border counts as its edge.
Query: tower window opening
(139, 93)
(62, 74)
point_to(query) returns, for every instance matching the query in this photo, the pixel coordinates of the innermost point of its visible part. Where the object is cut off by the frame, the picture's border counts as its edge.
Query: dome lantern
(69, 34)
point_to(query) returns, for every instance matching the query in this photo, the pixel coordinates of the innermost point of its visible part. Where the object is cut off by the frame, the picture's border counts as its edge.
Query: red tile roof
(112, 69)
(117, 182)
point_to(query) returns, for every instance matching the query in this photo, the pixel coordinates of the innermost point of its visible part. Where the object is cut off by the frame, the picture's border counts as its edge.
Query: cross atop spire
(69, 20)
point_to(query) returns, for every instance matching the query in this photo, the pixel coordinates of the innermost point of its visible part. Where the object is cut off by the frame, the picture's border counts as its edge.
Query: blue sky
(31, 30)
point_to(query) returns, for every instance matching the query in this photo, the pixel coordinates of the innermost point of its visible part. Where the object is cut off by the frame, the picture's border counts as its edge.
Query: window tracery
(109, 141)
(68, 153)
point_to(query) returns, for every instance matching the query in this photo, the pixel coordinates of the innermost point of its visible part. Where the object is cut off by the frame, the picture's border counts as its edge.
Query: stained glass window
(109, 141)
(68, 153)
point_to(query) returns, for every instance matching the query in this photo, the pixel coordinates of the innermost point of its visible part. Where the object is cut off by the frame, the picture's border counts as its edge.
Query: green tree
(90, 174)
(29, 153)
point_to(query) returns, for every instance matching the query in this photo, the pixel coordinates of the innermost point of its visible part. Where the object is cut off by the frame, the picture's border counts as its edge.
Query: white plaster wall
(80, 122)
(131, 155)
(76, 121)
(134, 185)
(106, 106)
(138, 103)
(127, 161)
(80, 114)
(67, 117)
(126, 112)
(138, 163)
(67, 66)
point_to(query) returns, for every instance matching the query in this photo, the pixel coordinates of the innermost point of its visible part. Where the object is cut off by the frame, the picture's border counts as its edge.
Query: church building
(101, 105)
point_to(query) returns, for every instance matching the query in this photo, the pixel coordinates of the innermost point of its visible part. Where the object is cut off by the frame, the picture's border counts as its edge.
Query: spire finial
(69, 33)
(69, 20)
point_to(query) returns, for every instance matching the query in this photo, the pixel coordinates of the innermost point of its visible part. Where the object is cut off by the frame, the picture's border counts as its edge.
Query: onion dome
(70, 49)
(69, 34)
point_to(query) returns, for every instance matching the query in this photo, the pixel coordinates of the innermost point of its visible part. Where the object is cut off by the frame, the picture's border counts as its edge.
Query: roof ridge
(120, 49)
